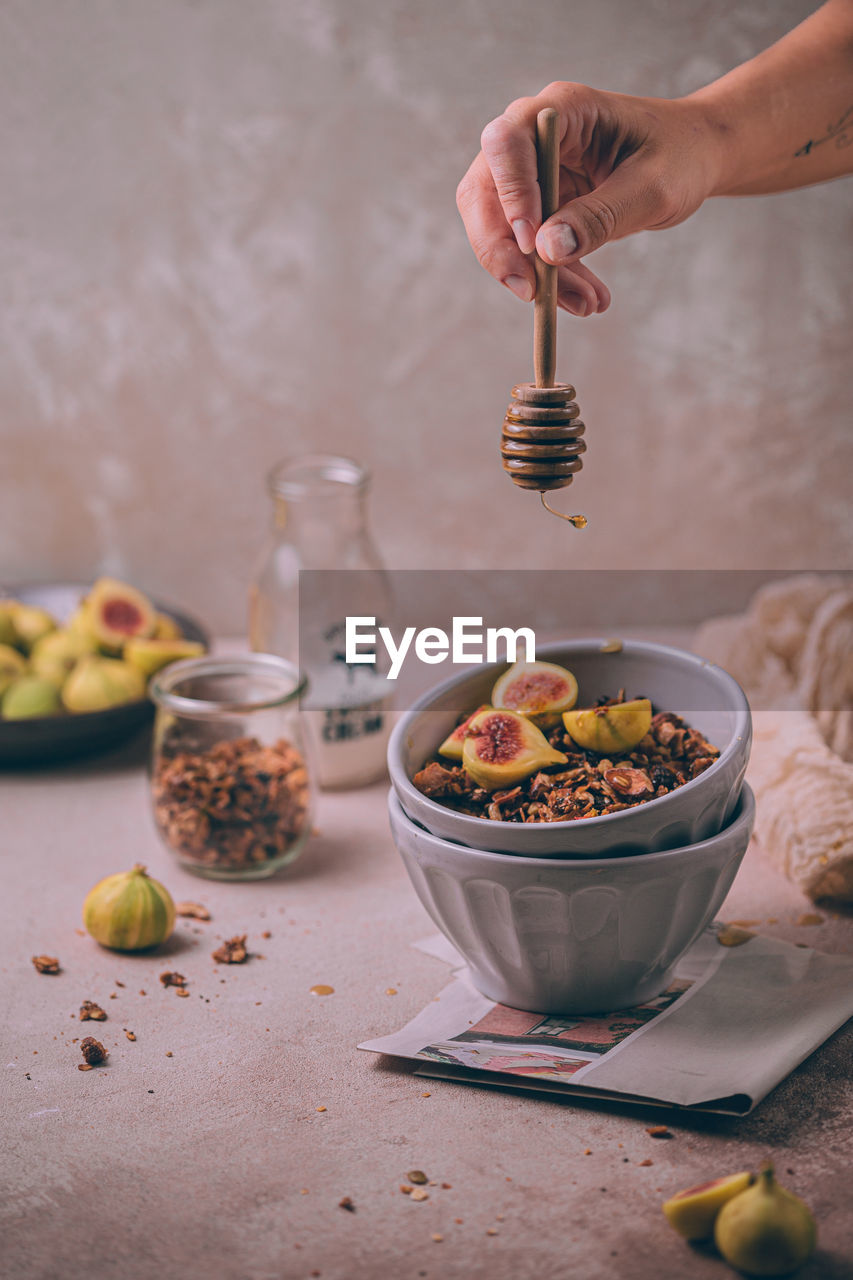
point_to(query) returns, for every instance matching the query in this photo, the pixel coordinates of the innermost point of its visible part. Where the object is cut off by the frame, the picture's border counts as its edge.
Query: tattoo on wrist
(841, 133)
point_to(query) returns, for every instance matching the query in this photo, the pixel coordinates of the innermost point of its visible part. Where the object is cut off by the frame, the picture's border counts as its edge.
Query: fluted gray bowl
(675, 680)
(572, 936)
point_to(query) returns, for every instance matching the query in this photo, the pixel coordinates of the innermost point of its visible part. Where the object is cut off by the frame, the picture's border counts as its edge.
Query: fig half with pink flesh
(693, 1212)
(452, 745)
(539, 690)
(502, 748)
(117, 612)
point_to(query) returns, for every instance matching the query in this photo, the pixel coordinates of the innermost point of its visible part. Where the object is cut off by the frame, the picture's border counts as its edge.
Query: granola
(91, 1011)
(588, 785)
(46, 964)
(235, 805)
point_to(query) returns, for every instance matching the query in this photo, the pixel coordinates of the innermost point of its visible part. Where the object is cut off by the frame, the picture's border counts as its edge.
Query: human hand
(626, 164)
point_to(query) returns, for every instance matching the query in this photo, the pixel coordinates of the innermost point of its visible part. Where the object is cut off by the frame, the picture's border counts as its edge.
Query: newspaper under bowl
(675, 680)
(582, 936)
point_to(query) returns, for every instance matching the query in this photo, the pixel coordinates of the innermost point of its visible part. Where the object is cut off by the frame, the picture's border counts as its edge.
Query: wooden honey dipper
(541, 442)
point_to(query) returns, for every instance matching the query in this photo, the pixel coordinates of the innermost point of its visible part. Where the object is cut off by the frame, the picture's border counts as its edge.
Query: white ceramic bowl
(573, 936)
(705, 695)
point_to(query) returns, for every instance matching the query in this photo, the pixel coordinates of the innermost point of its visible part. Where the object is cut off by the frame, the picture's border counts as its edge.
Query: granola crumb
(418, 1193)
(346, 1203)
(390, 991)
(172, 980)
(142, 991)
(131, 1035)
(588, 1152)
(169, 1053)
(119, 984)
(46, 964)
(406, 1190)
(417, 1176)
(182, 991)
(320, 1108)
(644, 1164)
(446, 1186)
(192, 910)
(266, 934)
(426, 1095)
(437, 1238)
(84, 1066)
(114, 995)
(730, 935)
(92, 1050)
(232, 951)
(89, 1011)
(659, 1131)
(491, 1231)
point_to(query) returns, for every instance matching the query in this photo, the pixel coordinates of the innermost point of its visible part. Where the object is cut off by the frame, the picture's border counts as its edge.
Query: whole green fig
(30, 696)
(57, 653)
(96, 684)
(12, 665)
(31, 623)
(766, 1230)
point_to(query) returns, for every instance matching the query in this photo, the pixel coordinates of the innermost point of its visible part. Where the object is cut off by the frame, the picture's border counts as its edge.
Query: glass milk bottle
(320, 525)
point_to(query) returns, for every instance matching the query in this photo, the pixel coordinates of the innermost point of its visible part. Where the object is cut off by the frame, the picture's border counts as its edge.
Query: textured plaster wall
(228, 233)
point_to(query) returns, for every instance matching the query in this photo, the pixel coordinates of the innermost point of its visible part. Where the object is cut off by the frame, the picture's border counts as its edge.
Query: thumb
(633, 198)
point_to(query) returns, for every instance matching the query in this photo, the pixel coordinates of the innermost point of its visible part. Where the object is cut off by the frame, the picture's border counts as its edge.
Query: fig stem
(579, 522)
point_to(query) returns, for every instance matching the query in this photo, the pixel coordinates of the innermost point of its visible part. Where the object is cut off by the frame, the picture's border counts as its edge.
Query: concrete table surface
(219, 1161)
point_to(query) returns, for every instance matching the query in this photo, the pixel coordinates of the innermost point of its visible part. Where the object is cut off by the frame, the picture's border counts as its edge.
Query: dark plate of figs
(75, 661)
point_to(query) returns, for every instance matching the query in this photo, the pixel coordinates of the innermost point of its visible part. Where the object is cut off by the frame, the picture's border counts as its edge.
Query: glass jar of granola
(231, 788)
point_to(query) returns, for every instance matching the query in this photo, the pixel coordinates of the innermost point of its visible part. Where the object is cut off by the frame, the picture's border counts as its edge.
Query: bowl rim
(740, 706)
(744, 817)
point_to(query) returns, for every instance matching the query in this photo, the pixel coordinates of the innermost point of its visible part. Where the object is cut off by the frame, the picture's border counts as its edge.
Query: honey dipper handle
(545, 306)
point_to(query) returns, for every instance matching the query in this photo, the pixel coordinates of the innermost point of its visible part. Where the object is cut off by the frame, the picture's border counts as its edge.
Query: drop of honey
(320, 989)
(580, 522)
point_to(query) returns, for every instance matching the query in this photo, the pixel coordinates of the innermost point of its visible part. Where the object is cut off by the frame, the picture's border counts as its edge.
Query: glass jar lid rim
(299, 476)
(163, 688)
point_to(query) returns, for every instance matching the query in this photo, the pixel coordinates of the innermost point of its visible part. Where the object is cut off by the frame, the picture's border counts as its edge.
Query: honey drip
(579, 522)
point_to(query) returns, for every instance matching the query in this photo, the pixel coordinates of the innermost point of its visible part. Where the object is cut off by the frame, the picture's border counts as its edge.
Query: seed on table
(417, 1176)
(321, 989)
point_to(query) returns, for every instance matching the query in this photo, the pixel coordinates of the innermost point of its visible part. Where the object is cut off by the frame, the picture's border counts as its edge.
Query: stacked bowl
(589, 915)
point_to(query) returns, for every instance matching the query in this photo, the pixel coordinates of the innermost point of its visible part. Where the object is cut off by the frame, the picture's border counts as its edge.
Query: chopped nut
(320, 1108)
(659, 1131)
(232, 951)
(266, 934)
(644, 1164)
(172, 980)
(192, 910)
(92, 1050)
(390, 991)
(629, 782)
(84, 1066)
(437, 1238)
(169, 1053)
(130, 1035)
(406, 1190)
(417, 1176)
(491, 1231)
(347, 1204)
(446, 1186)
(91, 1011)
(418, 1193)
(46, 964)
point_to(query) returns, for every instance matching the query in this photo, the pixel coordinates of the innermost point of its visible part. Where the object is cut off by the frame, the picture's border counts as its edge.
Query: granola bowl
(675, 681)
(572, 936)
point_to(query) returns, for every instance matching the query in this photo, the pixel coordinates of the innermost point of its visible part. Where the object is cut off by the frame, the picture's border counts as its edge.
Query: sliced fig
(149, 656)
(166, 628)
(539, 690)
(117, 612)
(693, 1212)
(502, 748)
(610, 730)
(452, 745)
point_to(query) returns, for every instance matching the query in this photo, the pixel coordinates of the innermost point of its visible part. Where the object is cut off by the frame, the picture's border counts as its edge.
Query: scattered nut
(91, 1011)
(192, 910)
(84, 1066)
(346, 1203)
(418, 1193)
(730, 936)
(92, 1050)
(417, 1176)
(406, 1190)
(659, 1131)
(172, 980)
(644, 1164)
(46, 964)
(232, 951)
(437, 1238)
(130, 1035)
